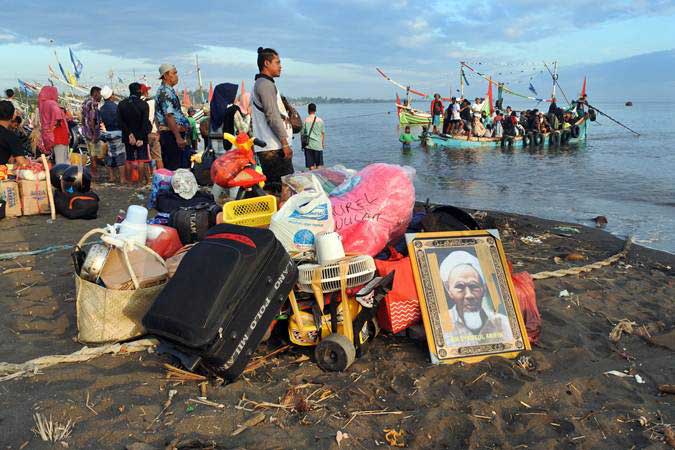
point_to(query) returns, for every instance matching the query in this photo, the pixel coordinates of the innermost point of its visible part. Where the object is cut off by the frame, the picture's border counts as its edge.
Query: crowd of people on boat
(477, 119)
(130, 134)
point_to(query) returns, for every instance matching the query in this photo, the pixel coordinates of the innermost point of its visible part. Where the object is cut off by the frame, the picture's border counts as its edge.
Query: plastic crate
(250, 212)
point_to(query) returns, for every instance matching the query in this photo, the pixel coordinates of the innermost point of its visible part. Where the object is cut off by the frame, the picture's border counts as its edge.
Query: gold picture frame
(469, 306)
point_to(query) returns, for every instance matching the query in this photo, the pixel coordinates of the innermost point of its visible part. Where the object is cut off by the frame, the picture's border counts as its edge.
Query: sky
(328, 48)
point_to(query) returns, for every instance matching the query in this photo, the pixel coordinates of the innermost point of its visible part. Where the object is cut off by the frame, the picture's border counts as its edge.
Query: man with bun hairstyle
(270, 121)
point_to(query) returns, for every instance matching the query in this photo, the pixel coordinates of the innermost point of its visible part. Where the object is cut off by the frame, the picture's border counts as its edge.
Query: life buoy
(554, 138)
(564, 137)
(575, 130)
(526, 140)
(592, 115)
(538, 139)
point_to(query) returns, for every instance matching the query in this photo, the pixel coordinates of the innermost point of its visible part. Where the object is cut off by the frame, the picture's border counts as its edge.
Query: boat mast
(555, 77)
(461, 81)
(199, 81)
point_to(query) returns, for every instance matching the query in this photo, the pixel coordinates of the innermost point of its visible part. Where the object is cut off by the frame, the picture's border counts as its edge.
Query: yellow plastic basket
(250, 212)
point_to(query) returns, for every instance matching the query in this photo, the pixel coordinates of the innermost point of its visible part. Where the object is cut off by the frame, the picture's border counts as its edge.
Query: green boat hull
(406, 117)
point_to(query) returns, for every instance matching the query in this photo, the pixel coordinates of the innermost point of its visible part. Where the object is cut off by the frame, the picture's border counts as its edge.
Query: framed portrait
(468, 302)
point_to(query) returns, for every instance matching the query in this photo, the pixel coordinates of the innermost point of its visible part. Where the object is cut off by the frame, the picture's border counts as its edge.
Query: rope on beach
(587, 268)
(32, 367)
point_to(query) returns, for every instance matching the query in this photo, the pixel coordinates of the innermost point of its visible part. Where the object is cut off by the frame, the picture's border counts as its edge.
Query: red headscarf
(50, 114)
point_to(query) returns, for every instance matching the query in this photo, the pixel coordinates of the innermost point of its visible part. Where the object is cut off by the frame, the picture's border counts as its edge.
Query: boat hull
(449, 141)
(406, 117)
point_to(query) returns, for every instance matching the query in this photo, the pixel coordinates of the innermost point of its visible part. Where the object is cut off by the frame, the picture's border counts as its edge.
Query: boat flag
(24, 88)
(464, 77)
(583, 88)
(186, 98)
(63, 72)
(77, 64)
(210, 91)
(532, 89)
(489, 95)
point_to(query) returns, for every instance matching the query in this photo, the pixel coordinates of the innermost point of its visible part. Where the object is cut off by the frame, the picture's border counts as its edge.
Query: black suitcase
(225, 294)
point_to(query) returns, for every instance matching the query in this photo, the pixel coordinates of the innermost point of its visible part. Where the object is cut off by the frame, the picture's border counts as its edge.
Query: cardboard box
(9, 191)
(34, 198)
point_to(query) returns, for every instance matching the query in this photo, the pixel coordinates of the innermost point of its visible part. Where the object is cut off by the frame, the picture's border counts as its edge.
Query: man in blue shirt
(172, 122)
(116, 157)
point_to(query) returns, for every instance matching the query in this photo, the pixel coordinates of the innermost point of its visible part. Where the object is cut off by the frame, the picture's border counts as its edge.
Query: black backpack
(193, 222)
(76, 205)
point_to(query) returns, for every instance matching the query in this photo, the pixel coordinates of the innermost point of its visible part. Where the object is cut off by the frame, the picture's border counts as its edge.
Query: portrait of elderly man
(472, 312)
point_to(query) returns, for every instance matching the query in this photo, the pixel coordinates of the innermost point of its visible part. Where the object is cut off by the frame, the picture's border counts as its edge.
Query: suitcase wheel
(335, 353)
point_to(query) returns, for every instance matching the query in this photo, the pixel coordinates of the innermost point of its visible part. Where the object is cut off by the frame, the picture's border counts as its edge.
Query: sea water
(628, 179)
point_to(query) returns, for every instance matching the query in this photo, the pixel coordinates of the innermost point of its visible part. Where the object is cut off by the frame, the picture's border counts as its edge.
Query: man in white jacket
(270, 122)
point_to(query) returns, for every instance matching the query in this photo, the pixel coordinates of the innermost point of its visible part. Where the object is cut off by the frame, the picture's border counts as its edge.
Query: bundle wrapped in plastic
(373, 207)
(328, 177)
(227, 166)
(161, 181)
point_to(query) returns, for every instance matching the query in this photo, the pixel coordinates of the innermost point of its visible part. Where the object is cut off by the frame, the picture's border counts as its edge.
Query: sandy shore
(561, 400)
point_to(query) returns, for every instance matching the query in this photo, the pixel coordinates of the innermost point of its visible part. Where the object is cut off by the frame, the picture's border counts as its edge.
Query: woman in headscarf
(242, 118)
(54, 125)
(223, 111)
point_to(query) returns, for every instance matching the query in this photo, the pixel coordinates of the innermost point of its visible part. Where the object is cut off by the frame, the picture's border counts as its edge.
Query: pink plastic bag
(373, 207)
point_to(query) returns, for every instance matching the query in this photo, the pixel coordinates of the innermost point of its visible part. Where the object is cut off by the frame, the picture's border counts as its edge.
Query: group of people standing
(131, 136)
(477, 120)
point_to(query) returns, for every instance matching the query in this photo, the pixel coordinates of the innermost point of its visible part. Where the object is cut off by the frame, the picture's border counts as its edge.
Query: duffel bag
(76, 205)
(202, 170)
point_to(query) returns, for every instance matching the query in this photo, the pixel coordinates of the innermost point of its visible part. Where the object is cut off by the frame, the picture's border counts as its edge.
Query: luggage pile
(328, 269)
(37, 189)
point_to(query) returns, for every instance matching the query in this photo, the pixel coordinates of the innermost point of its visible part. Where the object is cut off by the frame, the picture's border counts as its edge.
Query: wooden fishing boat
(412, 116)
(577, 133)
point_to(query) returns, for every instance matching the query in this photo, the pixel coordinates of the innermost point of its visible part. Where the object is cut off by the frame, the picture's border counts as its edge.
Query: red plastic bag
(374, 207)
(400, 309)
(227, 166)
(163, 240)
(527, 300)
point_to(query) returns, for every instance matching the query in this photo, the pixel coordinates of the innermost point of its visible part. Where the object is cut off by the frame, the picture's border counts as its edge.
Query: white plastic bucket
(328, 246)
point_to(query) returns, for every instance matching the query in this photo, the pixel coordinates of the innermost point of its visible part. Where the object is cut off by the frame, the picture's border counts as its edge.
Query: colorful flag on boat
(490, 103)
(532, 89)
(63, 72)
(583, 88)
(77, 64)
(210, 91)
(52, 73)
(464, 77)
(186, 98)
(23, 87)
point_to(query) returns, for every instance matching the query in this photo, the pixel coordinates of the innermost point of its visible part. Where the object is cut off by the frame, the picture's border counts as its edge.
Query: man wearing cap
(153, 138)
(171, 121)
(91, 128)
(132, 115)
(116, 157)
(472, 313)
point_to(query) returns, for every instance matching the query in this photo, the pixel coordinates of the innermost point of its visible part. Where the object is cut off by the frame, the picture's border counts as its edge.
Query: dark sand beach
(558, 397)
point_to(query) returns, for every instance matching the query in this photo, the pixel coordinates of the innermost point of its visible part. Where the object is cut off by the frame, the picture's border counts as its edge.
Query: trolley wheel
(335, 353)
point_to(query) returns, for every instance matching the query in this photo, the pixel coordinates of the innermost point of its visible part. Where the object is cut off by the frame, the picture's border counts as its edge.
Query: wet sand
(559, 399)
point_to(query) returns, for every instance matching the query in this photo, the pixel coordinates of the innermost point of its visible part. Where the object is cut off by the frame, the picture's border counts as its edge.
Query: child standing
(407, 138)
